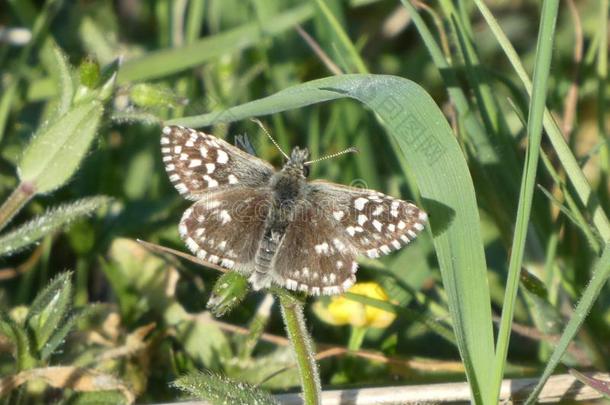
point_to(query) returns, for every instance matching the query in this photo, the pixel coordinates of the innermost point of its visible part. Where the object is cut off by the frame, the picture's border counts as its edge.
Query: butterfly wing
(315, 256)
(197, 162)
(374, 224)
(225, 227)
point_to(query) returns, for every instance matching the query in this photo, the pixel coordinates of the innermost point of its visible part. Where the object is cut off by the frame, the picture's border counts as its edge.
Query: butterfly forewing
(315, 256)
(197, 162)
(226, 227)
(374, 223)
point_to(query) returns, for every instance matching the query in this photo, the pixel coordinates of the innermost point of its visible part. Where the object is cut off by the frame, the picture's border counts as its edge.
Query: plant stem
(13, 204)
(356, 337)
(294, 319)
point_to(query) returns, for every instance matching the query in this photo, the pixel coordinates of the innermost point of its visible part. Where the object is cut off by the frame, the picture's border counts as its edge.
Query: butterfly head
(296, 162)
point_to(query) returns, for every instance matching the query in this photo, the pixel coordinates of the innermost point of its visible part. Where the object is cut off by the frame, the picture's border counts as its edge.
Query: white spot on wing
(211, 181)
(222, 156)
(228, 263)
(195, 163)
(321, 248)
(224, 216)
(362, 219)
(378, 225)
(210, 167)
(190, 242)
(338, 215)
(360, 202)
(331, 290)
(338, 244)
(232, 179)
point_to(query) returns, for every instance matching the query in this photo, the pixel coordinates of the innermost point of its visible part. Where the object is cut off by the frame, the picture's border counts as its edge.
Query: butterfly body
(276, 226)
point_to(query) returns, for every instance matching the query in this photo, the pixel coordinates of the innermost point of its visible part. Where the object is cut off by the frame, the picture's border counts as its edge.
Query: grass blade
(534, 132)
(168, 61)
(585, 194)
(427, 143)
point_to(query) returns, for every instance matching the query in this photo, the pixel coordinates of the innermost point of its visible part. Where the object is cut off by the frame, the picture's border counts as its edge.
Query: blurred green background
(141, 315)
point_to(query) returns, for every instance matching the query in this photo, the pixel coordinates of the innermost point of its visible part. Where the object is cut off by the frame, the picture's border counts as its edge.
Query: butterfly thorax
(289, 183)
(288, 186)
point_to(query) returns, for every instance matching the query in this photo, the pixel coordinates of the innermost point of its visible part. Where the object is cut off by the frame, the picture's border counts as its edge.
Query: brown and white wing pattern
(197, 162)
(374, 224)
(315, 256)
(226, 227)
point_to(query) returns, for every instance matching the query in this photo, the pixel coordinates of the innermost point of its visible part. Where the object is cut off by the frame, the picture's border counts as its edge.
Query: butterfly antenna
(334, 155)
(260, 124)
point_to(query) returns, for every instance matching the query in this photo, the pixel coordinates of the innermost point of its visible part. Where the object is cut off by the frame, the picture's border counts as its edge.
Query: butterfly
(276, 227)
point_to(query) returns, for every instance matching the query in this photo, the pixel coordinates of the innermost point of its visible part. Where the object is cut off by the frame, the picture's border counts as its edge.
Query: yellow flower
(340, 310)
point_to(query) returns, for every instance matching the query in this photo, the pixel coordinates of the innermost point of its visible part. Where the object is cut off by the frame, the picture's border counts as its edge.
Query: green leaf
(19, 338)
(436, 160)
(55, 153)
(229, 291)
(49, 310)
(63, 75)
(218, 389)
(59, 335)
(47, 223)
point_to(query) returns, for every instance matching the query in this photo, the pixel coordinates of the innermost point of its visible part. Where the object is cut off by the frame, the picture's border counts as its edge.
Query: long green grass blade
(427, 143)
(168, 61)
(534, 132)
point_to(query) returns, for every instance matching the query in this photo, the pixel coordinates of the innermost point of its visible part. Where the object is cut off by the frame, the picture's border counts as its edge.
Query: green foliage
(53, 219)
(220, 390)
(229, 291)
(80, 108)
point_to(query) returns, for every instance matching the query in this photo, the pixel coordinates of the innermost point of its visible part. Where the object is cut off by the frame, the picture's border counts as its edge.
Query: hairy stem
(292, 312)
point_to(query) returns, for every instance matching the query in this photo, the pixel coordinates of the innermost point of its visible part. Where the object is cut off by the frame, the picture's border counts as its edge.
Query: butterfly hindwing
(315, 256)
(375, 224)
(225, 227)
(197, 162)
